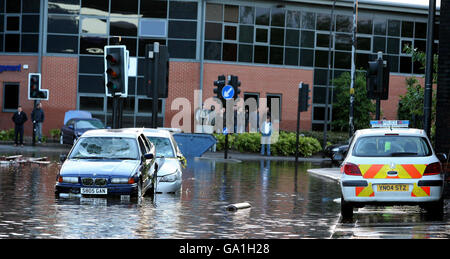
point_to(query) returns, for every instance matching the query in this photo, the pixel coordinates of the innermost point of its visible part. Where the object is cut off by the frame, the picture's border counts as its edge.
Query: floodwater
(285, 203)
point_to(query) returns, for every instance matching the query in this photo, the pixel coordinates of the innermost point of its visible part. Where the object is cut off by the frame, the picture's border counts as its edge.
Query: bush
(7, 134)
(55, 133)
(285, 146)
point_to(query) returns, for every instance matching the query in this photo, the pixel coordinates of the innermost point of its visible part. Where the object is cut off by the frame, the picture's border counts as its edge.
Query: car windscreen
(391, 146)
(163, 146)
(89, 124)
(105, 148)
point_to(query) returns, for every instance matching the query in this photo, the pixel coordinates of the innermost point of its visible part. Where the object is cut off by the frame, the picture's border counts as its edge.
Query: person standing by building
(266, 132)
(19, 118)
(37, 115)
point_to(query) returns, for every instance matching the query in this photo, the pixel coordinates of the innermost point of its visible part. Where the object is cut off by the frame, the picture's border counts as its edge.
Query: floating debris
(19, 159)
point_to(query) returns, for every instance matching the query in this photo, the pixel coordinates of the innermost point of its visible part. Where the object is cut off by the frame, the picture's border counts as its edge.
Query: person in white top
(266, 132)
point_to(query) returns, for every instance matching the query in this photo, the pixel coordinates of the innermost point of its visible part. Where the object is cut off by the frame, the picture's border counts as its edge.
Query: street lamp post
(353, 71)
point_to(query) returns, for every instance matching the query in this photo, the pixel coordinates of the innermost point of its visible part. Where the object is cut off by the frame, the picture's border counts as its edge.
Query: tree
(363, 108)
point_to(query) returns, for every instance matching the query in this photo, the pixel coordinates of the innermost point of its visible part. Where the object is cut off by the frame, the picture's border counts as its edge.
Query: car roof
(132, 133)
(86, 119)
(154, 132)
(383, 131)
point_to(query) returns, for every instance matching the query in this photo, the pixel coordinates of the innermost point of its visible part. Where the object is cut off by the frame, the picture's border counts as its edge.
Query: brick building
(271, 45)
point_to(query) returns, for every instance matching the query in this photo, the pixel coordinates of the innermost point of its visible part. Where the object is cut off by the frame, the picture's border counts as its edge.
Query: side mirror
(442, 157)
(62, 158)
(149, 156)
(70, 126)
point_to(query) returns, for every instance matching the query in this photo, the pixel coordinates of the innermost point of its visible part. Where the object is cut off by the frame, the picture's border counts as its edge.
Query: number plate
(94, 191)
(393, 187)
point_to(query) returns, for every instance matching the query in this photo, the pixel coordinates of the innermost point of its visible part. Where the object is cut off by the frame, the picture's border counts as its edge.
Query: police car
(391, 164)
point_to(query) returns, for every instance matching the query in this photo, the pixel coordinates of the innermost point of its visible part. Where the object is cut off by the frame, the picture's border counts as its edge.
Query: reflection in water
(285, 201)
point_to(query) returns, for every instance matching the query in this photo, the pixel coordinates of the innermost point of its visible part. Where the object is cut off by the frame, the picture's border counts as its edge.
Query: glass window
(344, 42)
(379, 44)
(182, 29)
(13, 6)
(319, 113)
(124, 7)
(293, 19)
(261, 54)
(362, 61)
(276, 55)
(30, 23)
(420, 45)
(91, 103)
(229, 52)
(12, 23)
(62, 24)
(30, 43)
(276, 36)
(278, 17)
(64, 6)
(344, 23)
(92, 45)
(261, 35)
(231, 13)
(30, 6)
(404, 43)
(307, 39)
(245, 53)
(109, 147)
(323, 21)
(182, 10)
(62, 44)
(214, 12)
(393, 28)
(321, 58)
(292, 37)
(364, 25)
(91, 65)
(12, 42)
(343, 60)
(182, 49)
(130, 43)
(393, 63)
(391, 146)
(153, 28)
(213, 31)
(405, 65)
(407, 29)
(379, 27)
(1, 42)
(306, 57)
(308, 20)
(230, 32)
(291, 57)
(393, 45)
(322, 40)
(247, 15)
(246, 33)
(363, 43)
(213, 50)
(95, 7)
(420, 30)
(123, 26)
(94, 26)
(91, 84)
(143, 42)
(320, 76)
(262, 16)
(319, 95)
(154, 9)
(10, 96)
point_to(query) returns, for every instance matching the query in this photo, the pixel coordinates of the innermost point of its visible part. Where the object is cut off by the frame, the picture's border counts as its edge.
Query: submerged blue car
(108, 162)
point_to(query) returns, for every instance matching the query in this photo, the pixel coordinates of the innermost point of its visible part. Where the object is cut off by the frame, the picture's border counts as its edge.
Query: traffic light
(377, 79)
(34, 87)
(304, 97)
(162, 70)
(116, 71)
(220, 83)
(234, 81)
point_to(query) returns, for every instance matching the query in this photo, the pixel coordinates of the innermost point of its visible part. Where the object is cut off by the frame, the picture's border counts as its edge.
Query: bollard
(238, 206)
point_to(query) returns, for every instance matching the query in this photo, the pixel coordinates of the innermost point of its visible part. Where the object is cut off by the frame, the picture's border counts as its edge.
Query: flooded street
(285, 204)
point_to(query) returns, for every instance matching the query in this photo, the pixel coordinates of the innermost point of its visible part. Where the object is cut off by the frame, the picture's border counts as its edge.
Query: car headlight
(336, 149)
(68, 179)
(169, 178)
(122, 180)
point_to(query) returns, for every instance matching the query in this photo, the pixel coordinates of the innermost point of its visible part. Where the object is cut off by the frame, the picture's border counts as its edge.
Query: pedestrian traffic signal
(34, 87)
(220, 83)
(304, 97)
(377, 79)
(234, 81)
(116, 71)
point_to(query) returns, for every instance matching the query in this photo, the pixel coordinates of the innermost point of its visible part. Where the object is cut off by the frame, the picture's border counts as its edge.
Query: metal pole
(155, 85)
(429, 69)
(353, 72)
(298, 123)
(327, 95)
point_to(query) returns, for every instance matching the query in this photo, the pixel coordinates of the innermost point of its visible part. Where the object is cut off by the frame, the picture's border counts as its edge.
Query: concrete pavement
(330, 173)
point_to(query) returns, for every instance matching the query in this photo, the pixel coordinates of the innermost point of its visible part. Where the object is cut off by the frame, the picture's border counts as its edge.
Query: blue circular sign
(227, 92)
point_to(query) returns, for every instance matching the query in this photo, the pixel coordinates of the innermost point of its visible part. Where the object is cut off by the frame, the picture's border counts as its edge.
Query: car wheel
(346, 209)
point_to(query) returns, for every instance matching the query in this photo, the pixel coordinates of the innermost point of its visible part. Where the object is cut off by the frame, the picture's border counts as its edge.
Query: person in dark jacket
(19, 118)
(37, 116)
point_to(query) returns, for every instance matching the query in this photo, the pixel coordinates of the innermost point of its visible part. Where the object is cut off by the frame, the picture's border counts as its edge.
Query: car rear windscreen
(391, 146)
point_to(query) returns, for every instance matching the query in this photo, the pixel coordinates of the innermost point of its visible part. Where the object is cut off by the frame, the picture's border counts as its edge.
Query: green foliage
(363, 108)
(7, 134)
(55, 133)
(285, 146)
